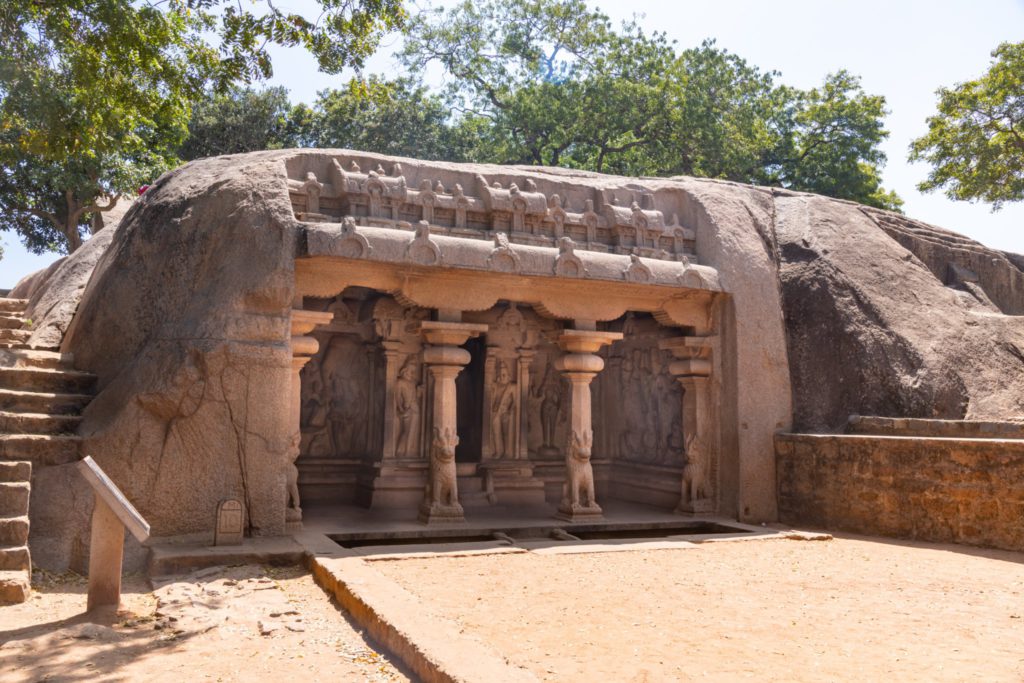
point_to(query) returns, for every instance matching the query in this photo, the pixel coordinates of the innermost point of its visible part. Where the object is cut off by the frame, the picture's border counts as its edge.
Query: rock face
(826, 309)
(186, 323)
(873, 329)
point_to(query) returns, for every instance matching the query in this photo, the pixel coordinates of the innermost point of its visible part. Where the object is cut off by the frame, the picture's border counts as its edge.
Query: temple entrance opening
(404, 410)
(469, 386)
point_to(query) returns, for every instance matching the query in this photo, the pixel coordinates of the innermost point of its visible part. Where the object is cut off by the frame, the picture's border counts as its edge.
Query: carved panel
(639, 402)
(623, 220)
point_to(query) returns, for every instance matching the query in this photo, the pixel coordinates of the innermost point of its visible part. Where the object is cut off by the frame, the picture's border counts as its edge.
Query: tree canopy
(975, 143)
(95, 95)
(554, 82)
(98, 97)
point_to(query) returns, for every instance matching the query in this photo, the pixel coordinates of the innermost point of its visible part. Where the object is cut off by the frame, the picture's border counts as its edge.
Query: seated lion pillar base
(579, 366)
(444, 359)
(437, 513)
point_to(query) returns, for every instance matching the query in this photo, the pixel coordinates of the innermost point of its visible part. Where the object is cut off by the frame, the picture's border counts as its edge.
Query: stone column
(692, 369)
(389, 448)
(579, 366)
(303, 347)
(523, 367)
(444, 359)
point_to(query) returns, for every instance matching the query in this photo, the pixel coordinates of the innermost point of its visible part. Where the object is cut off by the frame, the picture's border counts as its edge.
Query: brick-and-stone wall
(935, 489)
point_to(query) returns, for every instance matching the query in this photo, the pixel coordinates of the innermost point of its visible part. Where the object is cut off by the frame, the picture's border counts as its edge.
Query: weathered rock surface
(833, 309)
(30, 285)
(185, 322)
(873, 330)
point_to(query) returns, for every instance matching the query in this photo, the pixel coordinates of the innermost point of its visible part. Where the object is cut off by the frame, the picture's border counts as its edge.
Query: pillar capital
(586, 341)
(442, 333)
(692, 356)
(303, 322)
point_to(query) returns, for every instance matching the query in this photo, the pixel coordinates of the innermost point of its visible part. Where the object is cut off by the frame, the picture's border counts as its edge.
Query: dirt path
(238, 624)
(847, 609)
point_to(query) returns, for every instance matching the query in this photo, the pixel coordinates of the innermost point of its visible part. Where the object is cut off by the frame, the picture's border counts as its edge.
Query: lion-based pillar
(579, 366)
(692, 369)
(303, 348)
(444, 360)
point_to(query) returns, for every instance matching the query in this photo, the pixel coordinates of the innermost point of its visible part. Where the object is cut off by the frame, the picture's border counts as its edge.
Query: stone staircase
(41, 399)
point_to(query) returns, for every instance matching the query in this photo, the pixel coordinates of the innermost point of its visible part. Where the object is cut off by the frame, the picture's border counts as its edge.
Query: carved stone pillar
(579, 366)
(303, 348)
(692, 369)
(445, 360)
(392, 358)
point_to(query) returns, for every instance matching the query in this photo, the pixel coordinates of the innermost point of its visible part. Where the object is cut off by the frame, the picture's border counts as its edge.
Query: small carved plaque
(230, 523)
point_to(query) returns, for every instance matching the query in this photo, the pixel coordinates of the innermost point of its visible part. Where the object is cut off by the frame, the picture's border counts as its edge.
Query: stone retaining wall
(934, 489)
(955, 429)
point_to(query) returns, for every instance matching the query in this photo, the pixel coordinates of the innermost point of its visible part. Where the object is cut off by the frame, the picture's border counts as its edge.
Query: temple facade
(459, 341)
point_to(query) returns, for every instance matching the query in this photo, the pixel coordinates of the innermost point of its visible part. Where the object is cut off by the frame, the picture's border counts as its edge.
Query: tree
(830, 143)
(397, 117)
(95, 95)
(240, 120)
(975, 143)
(553, 82)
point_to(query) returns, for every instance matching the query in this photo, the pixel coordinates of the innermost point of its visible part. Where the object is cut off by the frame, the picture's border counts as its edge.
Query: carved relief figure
(442, 489)
(695, 473)
(346, 409)
(549, 409)
(293, 511)
(316, 440)
(407, 409)
(578, 492)
(502, 412)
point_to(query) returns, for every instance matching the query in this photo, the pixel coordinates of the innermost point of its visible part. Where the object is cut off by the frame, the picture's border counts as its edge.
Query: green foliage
(343, 34)
(831, 143)
(96, 95)
(240, 120)
(975, 143)
(82, 117)
(389, 117)
(553, 82)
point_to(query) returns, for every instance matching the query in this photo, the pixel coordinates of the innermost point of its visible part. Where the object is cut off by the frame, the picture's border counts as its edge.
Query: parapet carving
(602, 223)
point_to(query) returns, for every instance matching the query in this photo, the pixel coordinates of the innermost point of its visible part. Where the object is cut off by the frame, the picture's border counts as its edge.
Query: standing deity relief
(641, 414)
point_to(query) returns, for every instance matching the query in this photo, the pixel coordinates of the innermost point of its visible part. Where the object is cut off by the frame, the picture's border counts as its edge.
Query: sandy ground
(780, 610)
(238, 624)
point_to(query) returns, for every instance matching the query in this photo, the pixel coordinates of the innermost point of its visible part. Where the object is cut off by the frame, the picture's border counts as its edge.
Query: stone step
(470, 484)
(14, 530)
(13, 400)
(37, 423)
(15, 587)
(11, 322)
(35, 358)
(13, 305)
(14, 557)
(41, 379)
(15, 470)
(8, 344)
(40, 449)
(14, 498)
(15, 335)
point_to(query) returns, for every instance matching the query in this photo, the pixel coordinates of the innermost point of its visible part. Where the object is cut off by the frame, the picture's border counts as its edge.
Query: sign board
(115, 500)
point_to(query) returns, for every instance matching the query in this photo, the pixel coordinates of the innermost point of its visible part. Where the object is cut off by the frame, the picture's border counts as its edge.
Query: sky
(902, 49)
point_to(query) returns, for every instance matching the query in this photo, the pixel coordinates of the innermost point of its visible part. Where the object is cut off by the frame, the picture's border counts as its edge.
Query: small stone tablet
(230, 519)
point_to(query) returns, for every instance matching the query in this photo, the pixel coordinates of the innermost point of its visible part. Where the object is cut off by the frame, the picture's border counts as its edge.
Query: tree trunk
(72, 234)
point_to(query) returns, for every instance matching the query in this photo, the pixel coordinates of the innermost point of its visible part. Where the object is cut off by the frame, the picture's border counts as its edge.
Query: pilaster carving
(444, 359)
(579, 366)
(692, 369)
